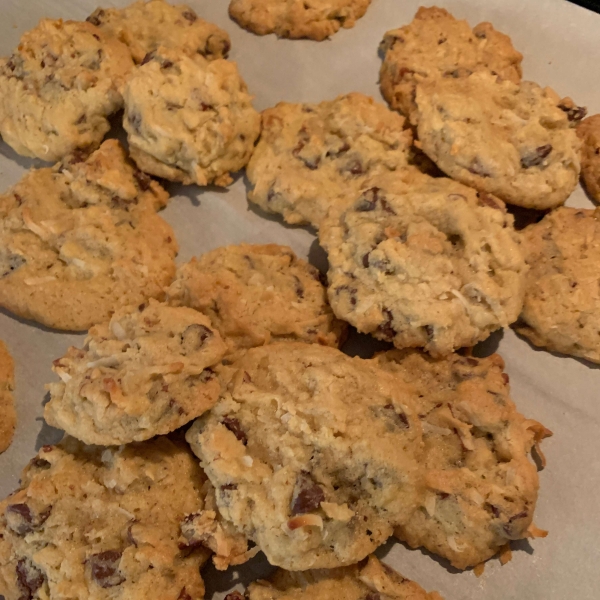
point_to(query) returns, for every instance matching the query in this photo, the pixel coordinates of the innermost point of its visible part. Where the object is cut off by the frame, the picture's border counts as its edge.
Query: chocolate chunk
(386, 207)
(22, 521)
(166, 64)
(104, 567)
(193, 338)
(299, 288)
(144, 182)
(307, 496)
(521, 515)
(351, 291)
(234, 426)
(183, 595)
(207, 375)
(10, 264)
(189, 15)
(368, 201)
(30, 578)
(478, 169)
(39, 463)
(574, 113)
(150, 56)
(372, 596)
(337, 152)
(495, 510)
(484, 199)
(365, 260)
(354, 167)
(535, 157)
(385, 329)
(393, 418)
(96, 17)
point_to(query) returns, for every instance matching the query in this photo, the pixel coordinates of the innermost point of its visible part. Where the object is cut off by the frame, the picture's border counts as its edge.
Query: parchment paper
(561, 44)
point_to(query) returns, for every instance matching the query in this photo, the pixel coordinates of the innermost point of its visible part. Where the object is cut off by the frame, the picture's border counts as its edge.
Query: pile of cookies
(210, 414)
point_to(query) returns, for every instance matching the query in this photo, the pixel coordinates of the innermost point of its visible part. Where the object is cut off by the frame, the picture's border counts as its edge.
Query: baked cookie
(368, 580)
(102, 523)
(59, 87)
(589, 133)
(314, 455)
(295, 19)
(144, 373)
(430, 263)
(311, 156)
(480, 486)
(8, 414)
(81, 239)
(258, 294)
(188, 119)
(505, 139)
(144, 26)
(561, 308)
(434, 45)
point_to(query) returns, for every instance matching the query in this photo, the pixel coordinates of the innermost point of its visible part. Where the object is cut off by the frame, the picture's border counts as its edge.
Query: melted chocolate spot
(307, 496)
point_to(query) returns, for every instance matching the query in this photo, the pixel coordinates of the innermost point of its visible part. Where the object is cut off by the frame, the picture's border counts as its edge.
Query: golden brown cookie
(589, 133)
(8, 414)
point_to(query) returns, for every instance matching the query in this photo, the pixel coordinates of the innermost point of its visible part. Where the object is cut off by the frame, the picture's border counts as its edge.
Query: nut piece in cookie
(145, 25)
(256, 294)
(59, 87)
(368, 580)
(8, 414)
(589, 133)
(434, 45)
(480, 486)
(144, 373)
(311, 156)
(313, 455)
(81, 239)
(295, 19)
(92, 523)
(561, 308)
(505, 139)
(430, 263)
(188, 119)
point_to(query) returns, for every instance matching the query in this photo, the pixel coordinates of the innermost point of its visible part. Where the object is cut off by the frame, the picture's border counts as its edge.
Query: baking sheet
(561, 46)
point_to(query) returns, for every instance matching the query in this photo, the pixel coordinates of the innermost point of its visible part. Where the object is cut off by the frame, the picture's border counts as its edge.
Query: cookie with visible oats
(311, 157)
(589, 133)
(8, 414)
(81, 239)
(144, 373)
(480, 486)
(313, 455)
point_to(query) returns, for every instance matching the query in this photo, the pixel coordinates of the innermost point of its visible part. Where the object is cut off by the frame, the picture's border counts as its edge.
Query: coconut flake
(429, 428)
(452, 543)
(305, 521)
(118, 330)
(430, 504)
(247, 460)
(39, 280)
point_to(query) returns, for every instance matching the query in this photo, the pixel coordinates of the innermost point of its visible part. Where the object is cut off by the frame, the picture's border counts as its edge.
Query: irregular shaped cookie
(368, 580)
(313, 454)
(481, 488)
(434, 45)
(144, 373)
(102, 523)
(294, 19)
(311, 156)
(561, 308)
(79, 240)
(589, 133)
(59, 87)
(188, 119)
(430, 263)
(144, 26)
(8, 414)
(258, 294)
(505, 139)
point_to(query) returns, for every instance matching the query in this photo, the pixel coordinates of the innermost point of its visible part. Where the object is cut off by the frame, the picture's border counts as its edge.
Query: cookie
(91, 522)
(561, 308)
(144, 26)
(367, 580)
(435, 45)
(313, 454)
(8, 414)
(295, 19)
(311, 156)
(256, 294)
(589, 133)
(144, 373)
(81, 239)
(188, 119)
(429, 263)
(481, 487)
(59, 87)
(505, 139)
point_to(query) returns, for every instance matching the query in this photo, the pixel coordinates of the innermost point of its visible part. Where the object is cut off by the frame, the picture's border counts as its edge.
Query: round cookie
(480, 486)
(368, 580)
(144, 26)
(295, 19)
(144, 373)
(81, 239)
(59, 87)
(313, 454)
(8, 414)
(102, 523)
(505, 139)
(258, 294)
(435, 44)
(310, 156)
(561, 308)
(430, 263)
(589, 133)
(188, 119)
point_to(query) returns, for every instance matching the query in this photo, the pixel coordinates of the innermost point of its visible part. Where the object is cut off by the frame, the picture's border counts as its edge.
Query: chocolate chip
(298, 287)
(234, 426)
(96, 17)
(339, 151)
(521, 515)
(368, 201)
(574, 113)
(354, 167)
(365, 260)
(166, 64)
(495, 510)
(189, 15)
(183, 595)
(207, 375)
(150, 56)
(307, 496)
(484, 199)
(82, 119)
(351, 291)
(385, 329)
(22, 521)
(457, 73)
(39, 463)
(135, 120)
(372, 596)
(398, 419)
(535, 157)
(29, 577)
(505, 378)
(104, 567)
(144, 182)
(477, 168)
(386, 207)
(193, 338)
(10, 264)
